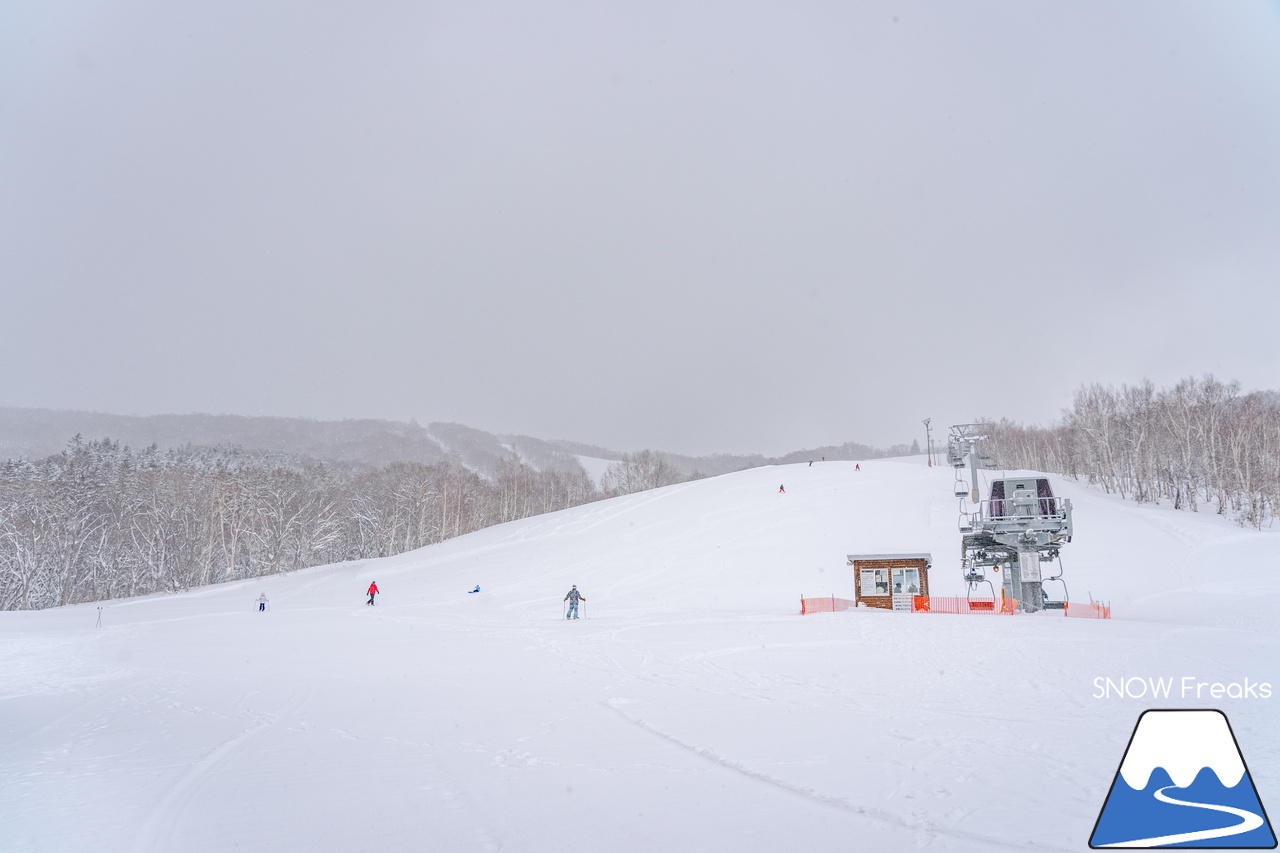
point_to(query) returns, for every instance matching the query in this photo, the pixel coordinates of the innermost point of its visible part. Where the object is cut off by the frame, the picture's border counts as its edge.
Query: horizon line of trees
(101, 521)
(1199, 443)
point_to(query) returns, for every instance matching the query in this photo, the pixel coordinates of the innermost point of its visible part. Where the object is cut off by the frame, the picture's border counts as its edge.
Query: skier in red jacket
(373, 590)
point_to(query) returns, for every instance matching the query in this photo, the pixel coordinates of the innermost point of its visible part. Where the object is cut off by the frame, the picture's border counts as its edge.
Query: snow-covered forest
(1201, 443)
(101, 521)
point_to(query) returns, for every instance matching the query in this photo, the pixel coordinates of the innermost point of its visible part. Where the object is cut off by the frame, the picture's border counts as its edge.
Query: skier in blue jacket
(573, 598)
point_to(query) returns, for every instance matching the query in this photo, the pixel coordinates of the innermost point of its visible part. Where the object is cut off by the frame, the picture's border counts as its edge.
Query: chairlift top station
(1019, 526)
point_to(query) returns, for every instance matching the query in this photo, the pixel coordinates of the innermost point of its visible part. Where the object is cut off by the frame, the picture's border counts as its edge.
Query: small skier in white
(573, 598)
(262, 602)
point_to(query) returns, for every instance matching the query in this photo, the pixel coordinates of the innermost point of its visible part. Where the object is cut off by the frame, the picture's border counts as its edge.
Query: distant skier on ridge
(262, 602)
(573, 598)
(373, 590)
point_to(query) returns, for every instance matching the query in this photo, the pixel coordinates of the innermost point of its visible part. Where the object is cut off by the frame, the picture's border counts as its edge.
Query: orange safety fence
(956, 604)
(1092, 610)
(830, 604)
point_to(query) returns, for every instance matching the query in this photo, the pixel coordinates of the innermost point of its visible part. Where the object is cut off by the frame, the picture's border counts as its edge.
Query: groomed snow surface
(692, 709)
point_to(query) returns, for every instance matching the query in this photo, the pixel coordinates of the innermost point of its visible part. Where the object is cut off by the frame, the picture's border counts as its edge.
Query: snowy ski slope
(693, 709)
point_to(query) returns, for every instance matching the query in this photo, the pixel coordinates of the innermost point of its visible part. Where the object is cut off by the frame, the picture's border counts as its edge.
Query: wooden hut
(889, 581)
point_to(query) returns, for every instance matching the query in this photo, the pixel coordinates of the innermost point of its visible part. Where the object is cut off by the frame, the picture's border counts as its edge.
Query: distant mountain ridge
(39, 433)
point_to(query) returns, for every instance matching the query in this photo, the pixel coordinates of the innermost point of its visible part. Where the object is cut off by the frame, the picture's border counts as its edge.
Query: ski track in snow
(158, 830)
(925, 832)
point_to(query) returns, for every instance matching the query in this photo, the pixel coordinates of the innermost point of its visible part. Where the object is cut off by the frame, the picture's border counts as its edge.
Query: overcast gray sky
(693, 226)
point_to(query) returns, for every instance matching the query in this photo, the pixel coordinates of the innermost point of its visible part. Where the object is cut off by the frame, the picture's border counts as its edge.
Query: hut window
(906, 581)
(874, 582)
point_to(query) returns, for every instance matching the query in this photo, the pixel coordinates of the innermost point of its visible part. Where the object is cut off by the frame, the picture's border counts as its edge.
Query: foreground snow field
(692, 709)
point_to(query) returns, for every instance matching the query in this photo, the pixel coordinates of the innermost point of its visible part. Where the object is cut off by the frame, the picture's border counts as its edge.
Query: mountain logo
(1183, 783)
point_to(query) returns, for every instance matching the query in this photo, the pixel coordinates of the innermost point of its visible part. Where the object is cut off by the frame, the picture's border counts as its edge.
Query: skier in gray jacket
(573, 598)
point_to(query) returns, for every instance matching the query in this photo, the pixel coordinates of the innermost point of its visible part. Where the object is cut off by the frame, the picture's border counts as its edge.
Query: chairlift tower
(1019, 526)
(960, 444)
